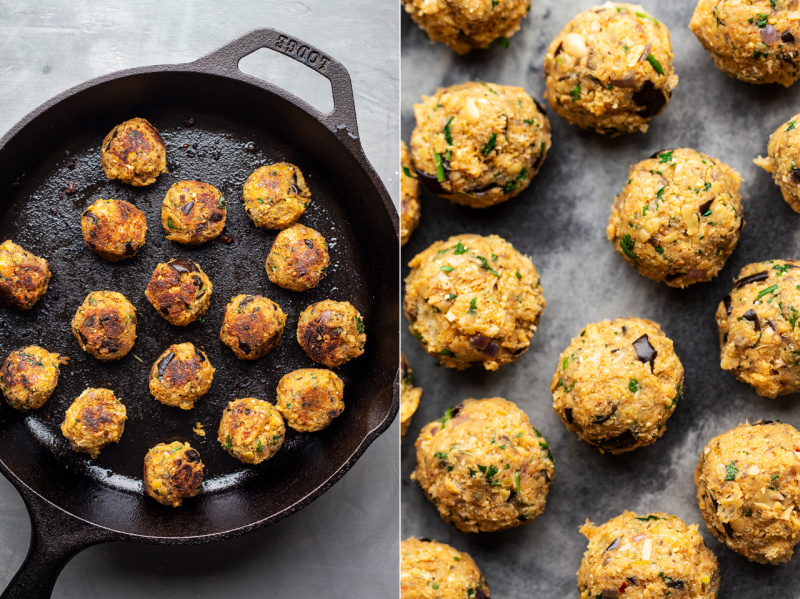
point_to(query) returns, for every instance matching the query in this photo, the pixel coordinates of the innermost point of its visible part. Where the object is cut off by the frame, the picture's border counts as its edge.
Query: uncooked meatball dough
(473, 300)
(748, 488)
(467, 24)
(134, 153)
(610, 69)
(23, 276)
(754, 40)
(431, 570)
(617, 383)
(644, 557)
(783, 160)
(484, 466)
(95, 419)
(181, 376)
(758, 333)
(193, 212)
(105, 325)
(678, 218)
(409, 195)
(251, 430)
(310, 398)
(113, 229)
(478, 143)
(29, 376)
(409, 395)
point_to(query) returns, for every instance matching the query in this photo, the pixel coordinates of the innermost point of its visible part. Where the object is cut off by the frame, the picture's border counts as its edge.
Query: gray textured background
(345, 543)
(560, 222)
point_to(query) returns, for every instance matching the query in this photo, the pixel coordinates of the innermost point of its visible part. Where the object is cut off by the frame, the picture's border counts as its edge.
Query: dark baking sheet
(560, 222)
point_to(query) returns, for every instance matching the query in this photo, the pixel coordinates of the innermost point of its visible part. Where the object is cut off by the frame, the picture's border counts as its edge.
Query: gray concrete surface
(560, 222)
(345, 543)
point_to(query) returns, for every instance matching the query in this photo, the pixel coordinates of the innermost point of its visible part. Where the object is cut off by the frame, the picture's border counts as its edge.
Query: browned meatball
(298, 259)
(172, 473)
(180, 291)
(23, 276)
(134, 153)
(310, 398)
(105, 325)
(113, 229)
(181, 376)
(29, 376)
(276, 196)
(95, 419)
(252, 326)
(331, 333)
(251, 430)
(193, 212)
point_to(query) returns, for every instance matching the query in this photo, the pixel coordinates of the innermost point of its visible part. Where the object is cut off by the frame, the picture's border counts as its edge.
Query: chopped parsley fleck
(761, 20)
(791, 126)
(575, 93)
(360, 324)
(406, 172)
(170, 223)
(565, 363)
(490, 145)
(730, 471)
(644, 15)
(447, 416)
(519, 490)
(440, 455)
(502, 41)
(650, 517)
(656, 65)
(485, 266)
(472, 306)
(626, 244)
(659, 249)
(229, 443)
(447, 352)
(665, 157)
(259, 447)
(459, 249)
(518, 275)
(437, 160)
(448, 134)
(451, 297)
(633, 386)
(766, 291)
(446, 268)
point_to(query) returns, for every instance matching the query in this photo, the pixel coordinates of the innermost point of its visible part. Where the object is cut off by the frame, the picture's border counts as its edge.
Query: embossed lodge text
(308, 55)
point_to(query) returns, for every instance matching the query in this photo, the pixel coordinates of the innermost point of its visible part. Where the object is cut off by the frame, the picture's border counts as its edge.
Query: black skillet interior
(237, 127)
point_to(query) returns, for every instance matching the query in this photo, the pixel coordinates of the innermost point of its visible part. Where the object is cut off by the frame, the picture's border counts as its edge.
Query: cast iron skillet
(219, 125)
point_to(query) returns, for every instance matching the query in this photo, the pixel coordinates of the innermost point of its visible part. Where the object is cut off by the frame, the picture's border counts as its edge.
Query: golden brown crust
(251, 430)
(180, 291)
(298, 258)
(276, 196)
(431, 570)
(331, 333)
(95, 419)
(409, 195)
(134, 153)
(180, 376)
(193, 212)
(172, 473)
(252, 326)
(23, 276)
(783, 157)
(113, 229)
(29, 376)
(105, 325)
(310, 398)
(409, 395)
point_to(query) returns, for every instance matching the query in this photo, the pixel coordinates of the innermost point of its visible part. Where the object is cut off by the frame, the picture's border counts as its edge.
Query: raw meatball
(113, 229)
(251, 430)
(181, 376)
(193, 212)
(678, 218)
(331, 333)
(783, 156)
(180, 291)
(276, 196)
(479, 144)
(252, 326)
(310, 398)
(29, 376)
(409, 395)
(434, 570)
(409, 196)
(105, 325)
(655, 555)
(298, 259)
(172, 472)
(23, 276)
(748, 488)
(758, 336)
(617, 383)
(473, 300)
(134, 153)
(467, 24)
(610, 69)
(753, 41)
(95, 419)
(484, 466)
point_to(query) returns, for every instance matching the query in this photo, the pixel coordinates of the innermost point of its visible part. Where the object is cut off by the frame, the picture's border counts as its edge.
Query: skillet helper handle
(56, 537)
(225, 61)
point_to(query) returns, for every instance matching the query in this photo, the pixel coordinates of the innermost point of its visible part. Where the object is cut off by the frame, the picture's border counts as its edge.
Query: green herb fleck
(440, 455)
(575, 93)
(665, 157)
(229, 443)
(489, 145)
(472, 307)
(447, 268)
(656, 65)
(437, 160)
(448, 134)
(730, 471)
(447, 352)
(766, 291)
(626, 244)
(633, 386)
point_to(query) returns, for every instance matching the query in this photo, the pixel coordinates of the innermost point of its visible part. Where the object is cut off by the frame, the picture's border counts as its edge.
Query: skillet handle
(225, 61)
(56, 537)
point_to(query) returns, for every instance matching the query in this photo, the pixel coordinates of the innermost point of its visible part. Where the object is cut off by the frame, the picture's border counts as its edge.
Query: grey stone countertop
(560, 221)
(345, 543)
